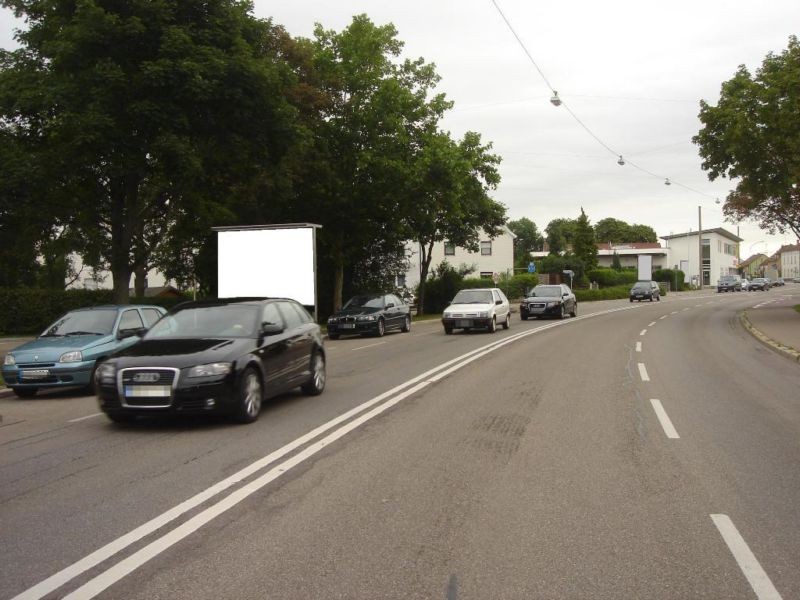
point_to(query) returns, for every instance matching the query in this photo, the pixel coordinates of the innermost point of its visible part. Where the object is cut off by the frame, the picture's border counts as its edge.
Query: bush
(517, 287)
(28, 311)
(609, 293)
(446, 282)
(611, 277)
(670, 276)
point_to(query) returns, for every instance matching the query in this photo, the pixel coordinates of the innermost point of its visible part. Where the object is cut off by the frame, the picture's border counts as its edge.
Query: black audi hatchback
(221, 356)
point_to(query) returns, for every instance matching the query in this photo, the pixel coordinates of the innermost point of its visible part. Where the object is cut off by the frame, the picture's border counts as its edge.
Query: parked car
(780, 282)
(549, 301)
(745, 284)
(221, 356)
(645, 290)
(370, 314)
(66, 354)
(729, 283)
(480, 308)
(759, 283)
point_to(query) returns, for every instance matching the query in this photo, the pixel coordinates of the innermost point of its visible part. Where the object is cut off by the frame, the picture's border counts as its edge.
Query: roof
(718, 230)
(752, 259)
(788, 248)
(278, 226)
(152, 292)
(628, 246)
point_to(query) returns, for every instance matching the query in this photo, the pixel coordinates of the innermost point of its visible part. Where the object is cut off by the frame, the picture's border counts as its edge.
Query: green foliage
(441, 287)
(619, 232)
(517, 287)
(558, 264)
(610, 293)
(584, 245)
(752, 136)
(528, 239)
(671, 276)
(28, 311)
(560, 235)
(611, 277)
(615, 263)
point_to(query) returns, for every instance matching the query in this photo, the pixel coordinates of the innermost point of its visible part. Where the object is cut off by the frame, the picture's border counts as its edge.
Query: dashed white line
(643, 331)
(638, 346)
(747, 561)
(685, 309)
(662, 318)
(84, 418)
(368, 346)
(674, 312)
(643, 372)
(664, 419)
(651, 324)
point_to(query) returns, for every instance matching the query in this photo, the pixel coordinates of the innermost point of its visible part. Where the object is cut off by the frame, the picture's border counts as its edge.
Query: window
(486, 274)
(290, 315)
(151, 315)
(486, 248)
(271, 315)
(400, 280)
(131, 320)
(449, 249)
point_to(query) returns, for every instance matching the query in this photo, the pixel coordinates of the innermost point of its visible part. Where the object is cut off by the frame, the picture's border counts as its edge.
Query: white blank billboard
(645, 264)
(277, 262)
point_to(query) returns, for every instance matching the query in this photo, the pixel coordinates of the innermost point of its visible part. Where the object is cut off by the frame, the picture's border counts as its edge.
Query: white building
(790, 261)
(720, 254)
(495, 256)
(628, 254)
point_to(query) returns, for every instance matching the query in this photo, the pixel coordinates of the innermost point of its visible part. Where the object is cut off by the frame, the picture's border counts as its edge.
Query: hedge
(611, 277)
(28, 311)
(440, 291)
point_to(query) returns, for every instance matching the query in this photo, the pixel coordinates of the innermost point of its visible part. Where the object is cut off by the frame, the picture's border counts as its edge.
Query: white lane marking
(698, 305)
(638, 346)
(674, 312)
(651, 324)
(685, 309)
(747, 561)
(643, 331)
(84, 418)
(70, 572)
(643, 372)
(662, 318)
(368, 346)
(663, 418)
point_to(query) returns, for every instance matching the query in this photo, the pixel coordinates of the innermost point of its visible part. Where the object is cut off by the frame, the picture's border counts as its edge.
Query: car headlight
(331, 319)
(9, 360)
(483, 314)
(366, 317)
(447, 315)
(210, 370)
(72, 356)
(553, 303)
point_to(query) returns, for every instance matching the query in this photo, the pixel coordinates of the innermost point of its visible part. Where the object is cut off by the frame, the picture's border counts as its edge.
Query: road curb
(787, 351)
(4, 392)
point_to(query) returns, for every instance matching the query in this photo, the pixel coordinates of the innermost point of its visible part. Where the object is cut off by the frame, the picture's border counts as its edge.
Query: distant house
(720, 254)
(495, 256)
(629, 254)
(790, 260)
(753, 266)
(162, 291)
(771, 267)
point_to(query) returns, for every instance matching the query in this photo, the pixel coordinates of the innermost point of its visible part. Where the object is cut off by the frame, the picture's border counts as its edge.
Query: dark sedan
(759, 283)
(370, 314)
(549, 301)
(222, 356)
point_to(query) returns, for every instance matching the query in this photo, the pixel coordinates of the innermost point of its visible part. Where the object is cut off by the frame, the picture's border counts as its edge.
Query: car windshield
(473, 297)
(546, 291)
(641, 285)
(208, 321)
(370, 301)
(83, 322)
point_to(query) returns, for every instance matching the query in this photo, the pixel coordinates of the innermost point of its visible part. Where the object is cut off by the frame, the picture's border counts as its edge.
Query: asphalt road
(638, 451)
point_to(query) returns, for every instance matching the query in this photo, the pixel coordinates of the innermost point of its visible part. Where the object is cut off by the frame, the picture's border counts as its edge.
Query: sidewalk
(776, 323)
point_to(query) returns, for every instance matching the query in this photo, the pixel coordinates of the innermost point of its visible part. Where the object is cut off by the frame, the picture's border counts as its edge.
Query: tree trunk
(140, 281)
(425, 257)
(121, 238)
(338, 272)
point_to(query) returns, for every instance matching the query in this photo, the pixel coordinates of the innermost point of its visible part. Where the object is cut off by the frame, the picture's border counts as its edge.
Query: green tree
(145, 111)
(528, 240)
(619, 232)
(585, 246)
(560, 235)
(753, 135)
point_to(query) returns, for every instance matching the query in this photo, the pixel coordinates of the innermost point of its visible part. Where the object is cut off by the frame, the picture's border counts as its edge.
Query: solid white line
(84, 418)
(368, 346)
(638, 346)
(663, 418)
(651, 324)
(747, 561)
(643, 331)
(67, 574)
(643, 372)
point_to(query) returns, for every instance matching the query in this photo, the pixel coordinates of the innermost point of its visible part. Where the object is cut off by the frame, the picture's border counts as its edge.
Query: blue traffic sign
(531, 268)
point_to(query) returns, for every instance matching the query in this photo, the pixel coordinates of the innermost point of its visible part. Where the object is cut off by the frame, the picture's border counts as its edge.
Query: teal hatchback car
(67, 352)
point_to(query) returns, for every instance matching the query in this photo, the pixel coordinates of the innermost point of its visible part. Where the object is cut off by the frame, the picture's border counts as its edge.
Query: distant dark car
(549, 301)
(729, 283)
(68, 351)
(759, 283)
(645, 290)
(780, 281)
(222, 356)
(370, 314)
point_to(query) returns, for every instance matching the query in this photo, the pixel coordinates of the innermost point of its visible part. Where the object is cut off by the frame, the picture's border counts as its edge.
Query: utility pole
(700, 246)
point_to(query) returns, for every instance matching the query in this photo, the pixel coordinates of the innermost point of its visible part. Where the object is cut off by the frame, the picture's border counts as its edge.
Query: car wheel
(406, 324)
(563, 313)
(507, 322)
(448, 330)
(316, 382)
(381, 328)
(523, 316)
(658, 298)
(121, 417)
(91, 387)
(493, 325)
(631, 299)
(24, 392)
(250, 395)
(574, 312)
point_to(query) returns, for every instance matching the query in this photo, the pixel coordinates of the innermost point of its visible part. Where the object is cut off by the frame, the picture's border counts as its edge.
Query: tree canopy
(528, 240)
(753, 135)
(616, 231)
(584, 244)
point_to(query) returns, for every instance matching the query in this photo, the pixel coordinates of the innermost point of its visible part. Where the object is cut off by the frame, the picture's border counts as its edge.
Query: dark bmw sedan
(222, 356)
(370, 314)
(549, 301)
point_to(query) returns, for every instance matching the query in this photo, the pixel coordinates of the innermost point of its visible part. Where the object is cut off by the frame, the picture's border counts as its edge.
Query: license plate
(347, 326)
(463, 323)
(35, 374)
(147, 391)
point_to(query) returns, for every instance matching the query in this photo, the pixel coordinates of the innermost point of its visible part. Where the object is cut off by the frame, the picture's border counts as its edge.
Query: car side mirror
(271, 329)
(130, 332)
(390, 305)
(498, 302)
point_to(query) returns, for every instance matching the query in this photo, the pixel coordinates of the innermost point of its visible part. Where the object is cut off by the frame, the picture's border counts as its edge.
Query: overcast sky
(632, 71)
